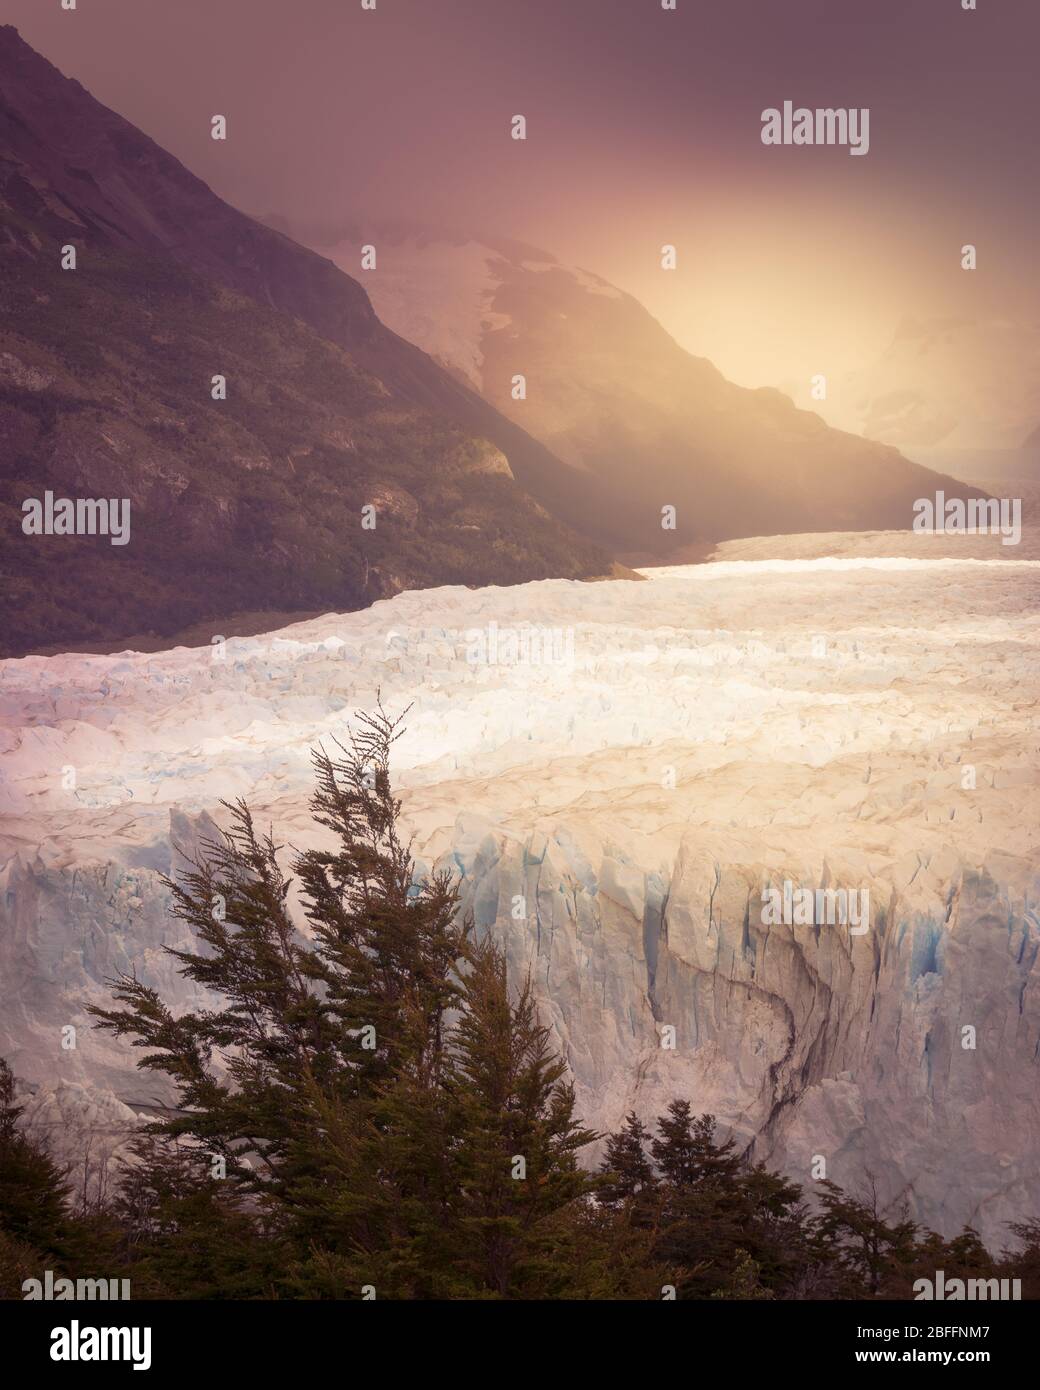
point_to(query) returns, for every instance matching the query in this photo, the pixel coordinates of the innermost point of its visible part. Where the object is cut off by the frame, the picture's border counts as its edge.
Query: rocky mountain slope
(611, 393)
(248, 503)
(617, 813)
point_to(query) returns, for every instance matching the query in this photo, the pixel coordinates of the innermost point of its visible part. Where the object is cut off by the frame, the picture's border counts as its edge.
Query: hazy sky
(644, 128)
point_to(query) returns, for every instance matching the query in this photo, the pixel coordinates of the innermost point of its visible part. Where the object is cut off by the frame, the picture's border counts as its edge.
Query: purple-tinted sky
(644, 128)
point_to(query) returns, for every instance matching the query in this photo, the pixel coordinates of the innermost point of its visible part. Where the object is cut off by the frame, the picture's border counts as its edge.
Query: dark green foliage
(39, 1230)
(384, 1108)
(511, 1105)
(686, 1153)
(722, 1227)
(628, 1172)
(183, 1237)
(311, 1032)
(371, 1108)
(873, 1254)
(720, 1220)
(33, 1189)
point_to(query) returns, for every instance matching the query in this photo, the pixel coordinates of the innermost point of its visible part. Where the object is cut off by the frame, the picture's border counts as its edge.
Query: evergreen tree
(468, 1181)
(724, 1227)
(780, 1234)
(182, 1235)
(874, 1255)
(627, 1172)
(18, 1262)
(371, 1106)
(686, 1153)
(515, 1156)
(34, 1195)
(294, 1066)
(384, 1108)
(966, 1252)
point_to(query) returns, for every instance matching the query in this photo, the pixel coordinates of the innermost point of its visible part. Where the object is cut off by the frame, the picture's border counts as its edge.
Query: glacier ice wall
(616, 771)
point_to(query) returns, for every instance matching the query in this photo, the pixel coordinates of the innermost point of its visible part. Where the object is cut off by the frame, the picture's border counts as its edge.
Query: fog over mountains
(801, 710)
(252, 504)
(960, 394)
(611, 393)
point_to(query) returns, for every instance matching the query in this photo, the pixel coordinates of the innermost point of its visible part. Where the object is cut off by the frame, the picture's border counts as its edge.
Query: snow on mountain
(954, 393)
(643, 423)
(452, 314)
(439, 292)
(618, 771)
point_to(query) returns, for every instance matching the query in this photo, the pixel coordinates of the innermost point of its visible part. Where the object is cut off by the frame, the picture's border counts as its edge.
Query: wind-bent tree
(370, 1092)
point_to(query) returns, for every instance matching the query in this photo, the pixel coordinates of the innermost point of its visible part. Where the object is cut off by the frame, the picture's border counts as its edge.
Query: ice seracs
(719, 729)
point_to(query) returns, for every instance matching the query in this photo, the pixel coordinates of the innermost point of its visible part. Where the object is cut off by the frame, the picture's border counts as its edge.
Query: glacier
(615, 799)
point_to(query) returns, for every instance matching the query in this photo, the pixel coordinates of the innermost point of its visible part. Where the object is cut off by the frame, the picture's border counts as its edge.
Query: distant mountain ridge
(953, 385)
(611, 393)
(252, 504)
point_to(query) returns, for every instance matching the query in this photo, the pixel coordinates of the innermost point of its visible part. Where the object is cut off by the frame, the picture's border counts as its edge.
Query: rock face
(82, 174)
(236, 390)
(614, 396)
(618, 772)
